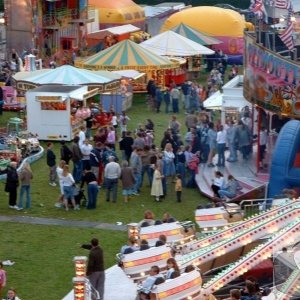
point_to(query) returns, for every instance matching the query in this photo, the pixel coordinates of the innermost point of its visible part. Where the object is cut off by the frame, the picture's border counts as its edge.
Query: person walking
(12, 183)
(95, 267)
(112, 173)
(68, 183)
(51, 162)
(25, 178)
(92, 187)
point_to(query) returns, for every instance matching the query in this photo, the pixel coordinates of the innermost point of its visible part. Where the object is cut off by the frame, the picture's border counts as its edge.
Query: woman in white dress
(157, 188)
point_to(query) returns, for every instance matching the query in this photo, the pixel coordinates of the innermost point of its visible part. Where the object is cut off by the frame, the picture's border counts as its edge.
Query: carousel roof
(170, 43)
(126, 55)
(195, 35)
(66, 75)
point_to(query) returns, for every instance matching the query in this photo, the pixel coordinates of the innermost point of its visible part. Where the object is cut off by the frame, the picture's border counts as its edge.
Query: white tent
(170, 43)
(215, 101)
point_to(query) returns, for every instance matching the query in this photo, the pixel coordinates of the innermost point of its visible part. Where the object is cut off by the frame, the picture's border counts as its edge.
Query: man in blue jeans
(175, 95)
(112, 173)
(136, 164)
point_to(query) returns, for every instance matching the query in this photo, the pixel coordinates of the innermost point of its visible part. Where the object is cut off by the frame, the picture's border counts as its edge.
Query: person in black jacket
(95, 267)
(51, 162)
(65, 152)
(12, 183)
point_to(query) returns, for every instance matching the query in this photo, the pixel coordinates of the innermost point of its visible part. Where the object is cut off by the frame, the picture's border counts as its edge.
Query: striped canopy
(126, 55)
(195, 35)
(68, 75)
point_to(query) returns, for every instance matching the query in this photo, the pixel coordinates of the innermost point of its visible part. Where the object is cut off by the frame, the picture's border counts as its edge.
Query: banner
(270, 80)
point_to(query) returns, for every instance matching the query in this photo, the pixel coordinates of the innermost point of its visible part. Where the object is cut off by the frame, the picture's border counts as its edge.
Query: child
(12, 295)
(157, 188)
(2, 279)
(173, 269)
(178, 187)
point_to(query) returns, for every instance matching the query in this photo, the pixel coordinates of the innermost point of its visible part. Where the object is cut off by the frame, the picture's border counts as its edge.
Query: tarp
(66, 75)
(118, 12)
(195, 35)
(170, 43)
(100, 34)
(126, 55)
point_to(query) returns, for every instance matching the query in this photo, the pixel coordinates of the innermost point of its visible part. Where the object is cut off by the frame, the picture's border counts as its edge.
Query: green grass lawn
(43, 254)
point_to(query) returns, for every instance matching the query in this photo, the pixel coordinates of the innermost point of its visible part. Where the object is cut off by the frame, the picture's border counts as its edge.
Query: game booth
(127, 55)
(56, 112)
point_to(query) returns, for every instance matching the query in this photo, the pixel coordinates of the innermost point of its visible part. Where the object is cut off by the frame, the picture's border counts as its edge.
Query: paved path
(60, 222)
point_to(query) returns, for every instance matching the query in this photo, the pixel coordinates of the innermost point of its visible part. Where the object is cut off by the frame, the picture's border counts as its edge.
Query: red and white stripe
(287, 36)
(283, 4)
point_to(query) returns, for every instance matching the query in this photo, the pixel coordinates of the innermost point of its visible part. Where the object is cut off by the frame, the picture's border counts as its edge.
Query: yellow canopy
(214, 21)
(118, 12)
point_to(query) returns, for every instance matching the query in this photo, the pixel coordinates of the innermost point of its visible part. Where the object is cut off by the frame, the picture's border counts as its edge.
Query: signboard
(270, 80)
(48, 98)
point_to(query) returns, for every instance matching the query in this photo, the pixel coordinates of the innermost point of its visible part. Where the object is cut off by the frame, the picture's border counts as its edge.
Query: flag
(283, 4)
(287, 36)
(258, 8)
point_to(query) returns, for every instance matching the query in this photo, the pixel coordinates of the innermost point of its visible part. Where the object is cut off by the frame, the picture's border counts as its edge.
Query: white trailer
(51, 110)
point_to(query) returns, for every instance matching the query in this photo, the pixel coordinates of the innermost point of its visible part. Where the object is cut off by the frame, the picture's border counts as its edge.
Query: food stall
(56, 112)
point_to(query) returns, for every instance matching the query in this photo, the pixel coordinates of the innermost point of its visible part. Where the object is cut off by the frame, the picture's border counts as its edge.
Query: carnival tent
(126, 55)
(224, 24)
(67, 75)
(170, 43)
(195, 35)
(118, 12)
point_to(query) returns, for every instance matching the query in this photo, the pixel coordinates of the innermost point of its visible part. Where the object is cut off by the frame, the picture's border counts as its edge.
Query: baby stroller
(79, 196)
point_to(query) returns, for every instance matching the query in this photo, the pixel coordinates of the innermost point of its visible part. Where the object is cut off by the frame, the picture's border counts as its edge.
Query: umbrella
(170, 43)
(126, 55)
(195, 35)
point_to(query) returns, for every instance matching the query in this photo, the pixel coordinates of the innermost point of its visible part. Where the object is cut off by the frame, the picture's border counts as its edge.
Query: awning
(84, 95)
(131, 74)
(118, 30)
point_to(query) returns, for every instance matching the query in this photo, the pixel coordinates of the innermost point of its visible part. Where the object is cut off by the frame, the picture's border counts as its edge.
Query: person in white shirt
(86, 149)
(149, 282)
(263, 140)
(68, 183)
(82, 136)
(218, 183)
(221, 145)
(112, 173)
(175, 95)
(59, 171)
